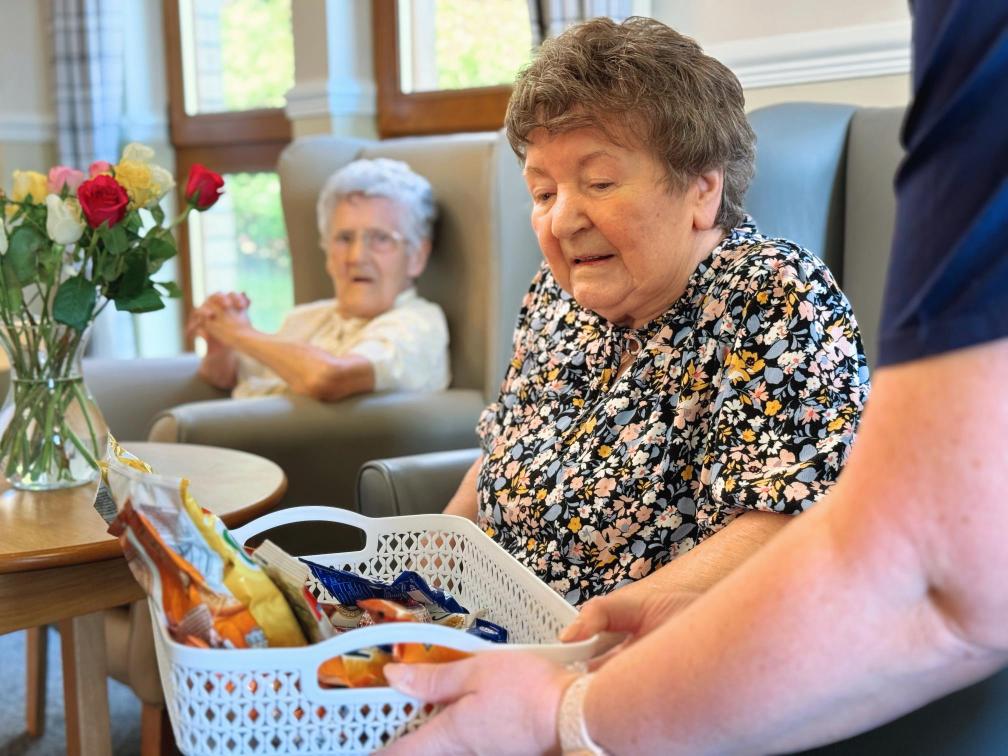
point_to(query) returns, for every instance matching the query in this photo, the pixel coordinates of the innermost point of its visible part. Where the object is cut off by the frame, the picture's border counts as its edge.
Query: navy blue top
(947, 286)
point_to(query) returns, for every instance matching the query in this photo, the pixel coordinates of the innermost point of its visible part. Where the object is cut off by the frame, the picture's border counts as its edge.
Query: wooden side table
(59, 565)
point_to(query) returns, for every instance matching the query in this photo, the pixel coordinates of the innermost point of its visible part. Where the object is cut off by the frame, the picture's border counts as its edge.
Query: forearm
(878, 600)
(308, 370)
(219, 368)
(714, 558)
(463, 503)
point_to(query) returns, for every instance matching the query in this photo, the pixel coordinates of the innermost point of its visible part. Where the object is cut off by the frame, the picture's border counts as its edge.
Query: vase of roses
(71, 244)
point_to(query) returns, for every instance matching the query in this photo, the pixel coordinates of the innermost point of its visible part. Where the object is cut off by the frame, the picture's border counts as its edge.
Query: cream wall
(856, 51)
(26, 116)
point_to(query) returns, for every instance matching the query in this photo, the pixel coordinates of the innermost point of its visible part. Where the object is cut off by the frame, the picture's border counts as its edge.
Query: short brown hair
(642, 79)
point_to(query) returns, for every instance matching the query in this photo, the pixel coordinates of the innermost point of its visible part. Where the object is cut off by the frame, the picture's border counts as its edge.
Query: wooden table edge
(110, 549)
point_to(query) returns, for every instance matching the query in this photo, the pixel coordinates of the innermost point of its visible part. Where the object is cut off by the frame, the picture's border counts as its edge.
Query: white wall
(855, 51)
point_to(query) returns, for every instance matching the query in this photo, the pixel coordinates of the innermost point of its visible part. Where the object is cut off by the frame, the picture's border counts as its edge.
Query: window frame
(438, 112)
(234, 142)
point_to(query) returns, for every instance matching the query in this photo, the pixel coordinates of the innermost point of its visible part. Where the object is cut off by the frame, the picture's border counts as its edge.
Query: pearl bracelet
(574, 737)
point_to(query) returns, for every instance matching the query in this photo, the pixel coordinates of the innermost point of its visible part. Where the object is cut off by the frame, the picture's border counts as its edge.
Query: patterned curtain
(550, 17)
(88, 56)
(89, 70)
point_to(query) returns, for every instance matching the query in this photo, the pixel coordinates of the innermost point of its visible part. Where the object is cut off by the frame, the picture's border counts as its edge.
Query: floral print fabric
(744, 395)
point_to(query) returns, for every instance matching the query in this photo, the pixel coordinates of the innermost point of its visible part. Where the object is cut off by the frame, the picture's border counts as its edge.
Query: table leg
(35, 688)
(85, 689)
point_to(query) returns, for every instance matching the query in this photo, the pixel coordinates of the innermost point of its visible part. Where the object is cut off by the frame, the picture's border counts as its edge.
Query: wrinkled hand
(496, 703)
(635, 610)
(219, 319)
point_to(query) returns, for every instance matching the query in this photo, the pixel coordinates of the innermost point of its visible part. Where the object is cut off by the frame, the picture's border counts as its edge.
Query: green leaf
(11, 289)
(171, 288)
(74, 302)
(159, 249)
(114, 239)
(108, 268)
(22, 253)
(147, 300)
(134, 277)
(132, 222)
(158, 214)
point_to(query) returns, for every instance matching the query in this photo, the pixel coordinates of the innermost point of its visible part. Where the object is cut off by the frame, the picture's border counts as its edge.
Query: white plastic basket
(259, 701)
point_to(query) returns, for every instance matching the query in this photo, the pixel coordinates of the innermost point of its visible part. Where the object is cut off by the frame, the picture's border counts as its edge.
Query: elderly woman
(375, 219)
(680, 382)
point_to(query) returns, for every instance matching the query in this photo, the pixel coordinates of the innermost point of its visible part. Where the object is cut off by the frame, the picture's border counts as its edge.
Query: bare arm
(219, 366)
(679, 582)
(886, 595)
(308, 370)
(463, 503)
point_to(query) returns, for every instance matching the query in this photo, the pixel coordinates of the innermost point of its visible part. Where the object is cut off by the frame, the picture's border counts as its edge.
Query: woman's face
(367, 255)
(615, 235)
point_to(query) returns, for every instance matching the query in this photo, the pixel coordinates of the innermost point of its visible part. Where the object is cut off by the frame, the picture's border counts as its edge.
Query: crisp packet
(209, 591)
(409, 587)
(348, 588)
(290, 575)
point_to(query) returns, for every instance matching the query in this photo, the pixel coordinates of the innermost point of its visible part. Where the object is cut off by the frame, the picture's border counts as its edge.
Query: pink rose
(99, 168)
(60, 176)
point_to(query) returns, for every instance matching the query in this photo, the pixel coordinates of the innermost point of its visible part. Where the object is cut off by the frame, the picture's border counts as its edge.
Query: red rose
(203, 188)
(102, 199)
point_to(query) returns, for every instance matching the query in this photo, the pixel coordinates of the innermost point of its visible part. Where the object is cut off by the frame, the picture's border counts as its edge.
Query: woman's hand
(496, 703)
(636, 613)
(218, 320)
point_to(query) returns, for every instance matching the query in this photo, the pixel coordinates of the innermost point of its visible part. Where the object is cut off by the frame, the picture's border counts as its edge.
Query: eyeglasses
(377, 240)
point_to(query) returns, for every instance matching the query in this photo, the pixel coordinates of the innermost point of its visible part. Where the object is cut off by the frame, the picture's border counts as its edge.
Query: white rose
(164, 180)
(63, 220)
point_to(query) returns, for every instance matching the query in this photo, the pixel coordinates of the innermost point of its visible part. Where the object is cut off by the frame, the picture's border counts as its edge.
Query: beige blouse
(408, 345)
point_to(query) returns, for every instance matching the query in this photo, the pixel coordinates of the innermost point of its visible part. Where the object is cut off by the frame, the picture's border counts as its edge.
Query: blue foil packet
(348, 588)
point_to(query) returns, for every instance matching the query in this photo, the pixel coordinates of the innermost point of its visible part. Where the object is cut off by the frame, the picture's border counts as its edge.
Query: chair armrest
(321, 446)
(417, 484)
(130, 393)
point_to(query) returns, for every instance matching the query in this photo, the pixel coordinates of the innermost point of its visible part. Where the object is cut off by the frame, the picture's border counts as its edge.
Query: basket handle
(300, 514)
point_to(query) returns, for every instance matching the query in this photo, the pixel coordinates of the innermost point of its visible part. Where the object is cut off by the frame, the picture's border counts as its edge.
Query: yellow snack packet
(177, 531)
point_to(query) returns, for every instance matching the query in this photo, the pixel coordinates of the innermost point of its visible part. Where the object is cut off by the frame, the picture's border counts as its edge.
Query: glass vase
(53, 432)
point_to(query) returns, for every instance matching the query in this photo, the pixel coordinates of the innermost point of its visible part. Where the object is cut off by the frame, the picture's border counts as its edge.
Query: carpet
(124, 707)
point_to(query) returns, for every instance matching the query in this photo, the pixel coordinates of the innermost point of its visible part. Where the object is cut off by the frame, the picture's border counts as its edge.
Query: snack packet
(208, 590)
(290, 575)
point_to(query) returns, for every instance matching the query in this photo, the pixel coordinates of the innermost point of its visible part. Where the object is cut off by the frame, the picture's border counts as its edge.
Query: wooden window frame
(249, 140)
(440, 112)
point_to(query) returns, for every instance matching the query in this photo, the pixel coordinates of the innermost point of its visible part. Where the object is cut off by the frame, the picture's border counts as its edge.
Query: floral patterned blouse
(744, 395)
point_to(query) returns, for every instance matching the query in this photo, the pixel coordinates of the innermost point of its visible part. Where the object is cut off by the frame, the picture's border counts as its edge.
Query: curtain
(550, 17)
(88, 54)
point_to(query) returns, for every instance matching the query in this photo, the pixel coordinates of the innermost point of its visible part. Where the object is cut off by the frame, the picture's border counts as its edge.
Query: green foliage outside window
(263, 258)
(481, 44)
(257, 53)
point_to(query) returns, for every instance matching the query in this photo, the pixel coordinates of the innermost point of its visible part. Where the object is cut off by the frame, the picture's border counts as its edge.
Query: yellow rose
(144, 182)
(30, 182)
(136, 179)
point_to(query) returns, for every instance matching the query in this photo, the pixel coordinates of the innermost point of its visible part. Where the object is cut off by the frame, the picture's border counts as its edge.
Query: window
(442, 67)
(448, 44)
(230, 64)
